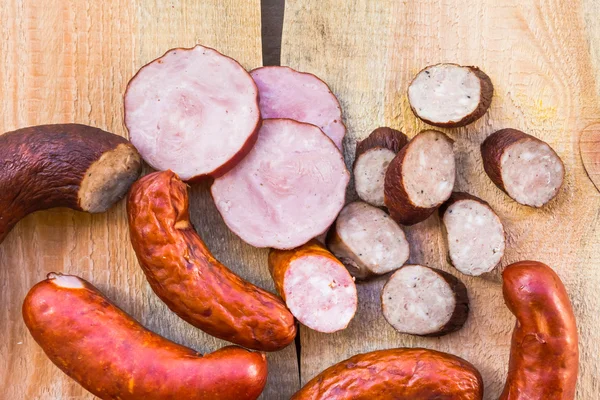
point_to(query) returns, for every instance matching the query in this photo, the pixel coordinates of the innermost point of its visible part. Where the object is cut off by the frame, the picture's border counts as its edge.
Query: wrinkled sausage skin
(185, 275)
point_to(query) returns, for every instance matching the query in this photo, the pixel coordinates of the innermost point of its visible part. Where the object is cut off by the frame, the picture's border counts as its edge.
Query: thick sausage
(420, 178)
(424, 301)
(68, 165)
(316, 287)
(450, 95)
(373, 156)
(474, 233)
(110, 354)
(194, 111)
(287, 93)
(367, 241)
(544, 355)
(524, 167)
(288, 190)
(186, 276)
(396, 374)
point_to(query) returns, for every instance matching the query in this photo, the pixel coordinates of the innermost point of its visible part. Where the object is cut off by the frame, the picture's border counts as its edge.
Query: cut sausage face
(422, 301)
(194, 111)
(368, 241)
(289, 188)
(369, 174)
(450, 95)
(287, 93)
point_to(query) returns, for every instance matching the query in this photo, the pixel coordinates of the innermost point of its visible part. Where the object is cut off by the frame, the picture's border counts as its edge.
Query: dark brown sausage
(396, 374)
(186, 276)
(544, 355)
(110, 354)
(68, 165)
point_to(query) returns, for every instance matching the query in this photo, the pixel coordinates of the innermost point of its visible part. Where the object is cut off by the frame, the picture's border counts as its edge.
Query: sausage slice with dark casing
(474, 233)
(396, 374)
(424, 301)
(373, 156)
(524, 167)
(114, 357)
(367, 241)
(420, 178)
(450, 95)
(193, 111)
(315, 285)
(287, 93)
(288, 190)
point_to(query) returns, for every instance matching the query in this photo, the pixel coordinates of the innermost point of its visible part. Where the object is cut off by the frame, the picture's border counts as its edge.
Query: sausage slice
(424, 301)
(193, 111)
(524, 167)
(316, 287)
(373, 156)
(289, 188)
(367, 241)
(287, 93)
(474, 233)
(420, 178)
(450, 95)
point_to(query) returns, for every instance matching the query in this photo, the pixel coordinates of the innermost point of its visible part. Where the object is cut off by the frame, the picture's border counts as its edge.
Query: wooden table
(69, 61)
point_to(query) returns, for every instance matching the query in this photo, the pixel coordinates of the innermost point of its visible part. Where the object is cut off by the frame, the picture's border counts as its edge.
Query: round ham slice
(289, 188)
(193, 111)
(287, 93)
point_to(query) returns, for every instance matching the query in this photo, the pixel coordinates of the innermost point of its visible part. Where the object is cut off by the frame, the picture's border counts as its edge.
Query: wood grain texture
(69, 61)
(543, 58)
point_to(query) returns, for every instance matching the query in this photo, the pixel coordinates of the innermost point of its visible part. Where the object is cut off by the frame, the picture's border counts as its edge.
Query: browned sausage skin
(193, 284)
(114, 357)
(396, 374)
(67, 165)
(544, 355)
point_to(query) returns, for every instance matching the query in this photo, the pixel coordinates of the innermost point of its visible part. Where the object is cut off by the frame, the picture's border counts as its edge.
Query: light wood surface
(544, 60)
(69, 61)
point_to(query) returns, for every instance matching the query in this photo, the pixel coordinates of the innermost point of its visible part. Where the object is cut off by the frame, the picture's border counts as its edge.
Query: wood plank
(69, 61)
(537, 53)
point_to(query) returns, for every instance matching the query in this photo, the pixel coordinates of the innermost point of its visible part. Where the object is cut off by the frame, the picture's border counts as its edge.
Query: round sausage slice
(450, 95)
(288, 190)
(287, 93)
(424, 301)
(373, 156)
(523, 166)
(193, 111)
(420, 178)
(474, 233)
(316, 287)
(367, 241)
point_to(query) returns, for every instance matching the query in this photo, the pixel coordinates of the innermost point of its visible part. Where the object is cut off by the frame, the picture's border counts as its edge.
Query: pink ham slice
(287, 93)
(194, 111)
(287, 190)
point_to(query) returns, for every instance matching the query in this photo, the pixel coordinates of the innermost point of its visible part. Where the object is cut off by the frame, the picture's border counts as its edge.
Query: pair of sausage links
(186, 276)
(68, 165)
(396, 374)
(114, 357)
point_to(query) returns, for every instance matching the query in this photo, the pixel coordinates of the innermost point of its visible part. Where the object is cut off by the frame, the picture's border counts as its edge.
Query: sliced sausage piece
(194, 111)
(110, 354)
(450, 95)
(396, 374)
(289, 188)
(544, 354)
(316, 287)
(424, 301)
(191, 282)
(373, 156)
(367, 241)
(474, 233)
(523, 166)
(420, 178)
(287, 93)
